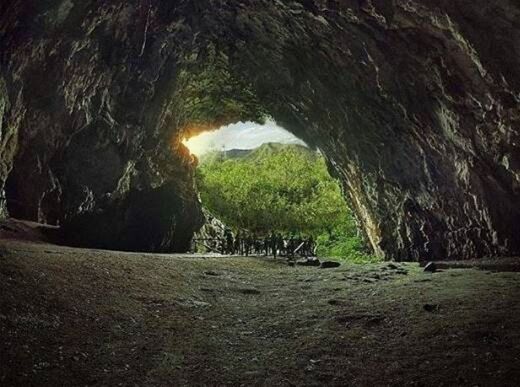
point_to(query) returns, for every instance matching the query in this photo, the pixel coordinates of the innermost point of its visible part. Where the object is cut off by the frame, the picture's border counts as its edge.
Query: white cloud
(243, 135)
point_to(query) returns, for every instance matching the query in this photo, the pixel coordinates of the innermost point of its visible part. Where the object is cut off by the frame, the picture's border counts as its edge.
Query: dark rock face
(213, 228)
(5, 137)
(415, 104)
(96, 152)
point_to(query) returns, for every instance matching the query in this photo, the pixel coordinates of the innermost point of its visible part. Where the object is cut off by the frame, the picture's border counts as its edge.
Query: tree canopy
(282, 188)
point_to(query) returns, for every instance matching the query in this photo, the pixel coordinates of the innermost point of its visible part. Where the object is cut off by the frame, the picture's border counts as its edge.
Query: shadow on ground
(89, 317)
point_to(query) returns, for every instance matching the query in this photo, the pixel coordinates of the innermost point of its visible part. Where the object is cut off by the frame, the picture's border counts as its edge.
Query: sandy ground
(76, 317)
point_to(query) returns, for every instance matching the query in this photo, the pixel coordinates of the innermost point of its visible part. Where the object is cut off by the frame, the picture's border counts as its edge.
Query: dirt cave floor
(77, 317)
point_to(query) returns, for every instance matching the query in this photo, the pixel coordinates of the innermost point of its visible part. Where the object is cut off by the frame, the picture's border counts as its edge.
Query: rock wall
(5, 161)
(96, 153)
(415, 104)
(208, 239)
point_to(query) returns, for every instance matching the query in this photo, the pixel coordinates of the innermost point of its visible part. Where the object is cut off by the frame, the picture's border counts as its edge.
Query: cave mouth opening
(264, 191)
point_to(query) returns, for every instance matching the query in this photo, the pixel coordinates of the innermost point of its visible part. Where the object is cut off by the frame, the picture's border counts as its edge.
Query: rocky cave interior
(415, 107)
(413, 103)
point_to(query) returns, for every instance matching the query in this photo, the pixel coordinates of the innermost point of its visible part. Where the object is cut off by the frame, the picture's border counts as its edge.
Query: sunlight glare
(243, 135)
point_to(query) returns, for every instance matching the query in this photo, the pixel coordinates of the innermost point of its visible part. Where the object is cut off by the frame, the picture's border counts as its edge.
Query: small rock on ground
(308, 262)
(431, 308)
(330, 265)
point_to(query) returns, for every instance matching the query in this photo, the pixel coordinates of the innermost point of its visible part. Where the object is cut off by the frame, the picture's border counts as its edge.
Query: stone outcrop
(211, 235)
(414, 103)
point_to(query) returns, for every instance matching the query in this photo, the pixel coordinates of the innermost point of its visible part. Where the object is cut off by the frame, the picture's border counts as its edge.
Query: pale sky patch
(243, 135)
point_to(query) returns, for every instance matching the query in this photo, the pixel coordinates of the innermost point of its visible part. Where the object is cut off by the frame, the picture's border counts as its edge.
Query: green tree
(283, 188)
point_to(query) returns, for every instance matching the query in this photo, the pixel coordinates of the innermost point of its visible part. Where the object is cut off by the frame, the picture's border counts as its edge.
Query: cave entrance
(266, 192)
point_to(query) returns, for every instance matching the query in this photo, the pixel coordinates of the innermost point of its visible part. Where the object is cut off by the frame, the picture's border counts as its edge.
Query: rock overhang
(412, 105)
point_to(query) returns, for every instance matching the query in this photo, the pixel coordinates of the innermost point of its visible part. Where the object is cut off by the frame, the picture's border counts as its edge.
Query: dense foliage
(209, 95)
(282, 188)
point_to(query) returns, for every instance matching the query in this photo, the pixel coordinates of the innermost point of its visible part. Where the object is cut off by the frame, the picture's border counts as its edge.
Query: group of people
(275, 244)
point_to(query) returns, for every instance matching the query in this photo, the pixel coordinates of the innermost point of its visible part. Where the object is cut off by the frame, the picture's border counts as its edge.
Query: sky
(243, 135)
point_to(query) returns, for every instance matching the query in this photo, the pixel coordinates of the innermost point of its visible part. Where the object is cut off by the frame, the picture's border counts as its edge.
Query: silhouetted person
(229, 241)
(238, 243)
(274, 243)
(267, 243)
(253, 244)
(290, 246)
(248, 244)
(258, 245)
(310, 246)
(280, 245)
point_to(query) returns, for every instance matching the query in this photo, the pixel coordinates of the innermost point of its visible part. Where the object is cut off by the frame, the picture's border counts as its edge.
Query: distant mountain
(265, 150)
